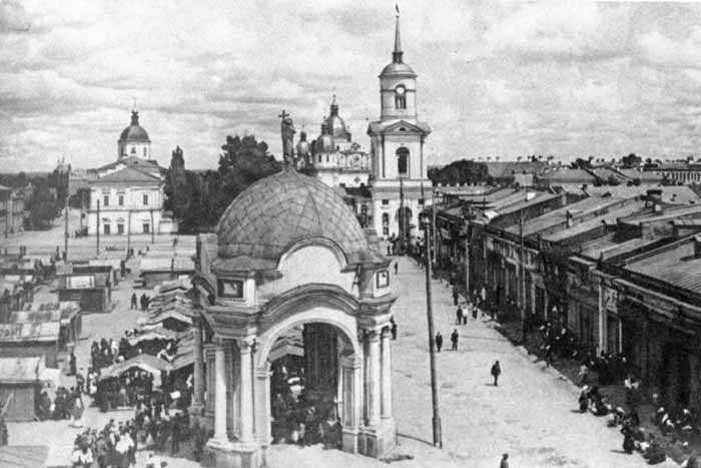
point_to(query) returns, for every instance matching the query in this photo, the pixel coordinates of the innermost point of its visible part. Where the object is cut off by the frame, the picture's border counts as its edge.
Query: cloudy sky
(495, 79)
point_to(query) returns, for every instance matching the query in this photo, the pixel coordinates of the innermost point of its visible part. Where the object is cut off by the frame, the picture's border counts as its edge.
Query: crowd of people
(153, 426)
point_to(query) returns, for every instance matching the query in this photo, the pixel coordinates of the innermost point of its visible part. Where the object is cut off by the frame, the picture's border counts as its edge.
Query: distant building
(127, 196)
(12, 210)
(337, 159)
(399, 167)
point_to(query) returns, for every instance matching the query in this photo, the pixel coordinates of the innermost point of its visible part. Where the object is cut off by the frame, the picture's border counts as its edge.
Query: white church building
(127, 195)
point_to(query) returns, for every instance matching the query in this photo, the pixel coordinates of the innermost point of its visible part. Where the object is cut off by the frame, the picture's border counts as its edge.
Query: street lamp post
(437, 435)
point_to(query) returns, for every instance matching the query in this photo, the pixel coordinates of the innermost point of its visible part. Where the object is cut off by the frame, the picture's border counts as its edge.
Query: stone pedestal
(233, 455)
(379, 440)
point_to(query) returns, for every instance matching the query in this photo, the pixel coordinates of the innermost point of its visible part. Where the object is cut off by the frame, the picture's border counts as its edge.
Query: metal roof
(609, 218)
(19, 332)
(674, 264)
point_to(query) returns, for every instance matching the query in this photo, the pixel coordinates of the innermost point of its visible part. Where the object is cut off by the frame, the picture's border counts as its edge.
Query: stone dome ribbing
(283, 209)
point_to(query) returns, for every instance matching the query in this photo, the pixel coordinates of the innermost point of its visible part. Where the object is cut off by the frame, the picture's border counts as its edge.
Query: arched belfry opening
(282, 345)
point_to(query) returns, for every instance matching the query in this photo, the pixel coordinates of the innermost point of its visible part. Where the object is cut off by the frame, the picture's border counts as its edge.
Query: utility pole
(402, 216)
(467, 257)
(433, 227)
(97, 227)
(522, 277)
(65, 233)
(153, 229)
(437, 435)
(128, 232)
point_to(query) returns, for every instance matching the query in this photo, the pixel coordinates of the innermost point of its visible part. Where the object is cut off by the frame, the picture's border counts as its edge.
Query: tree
(461, 172)
(632, 160)
(581, 163)
(177, 189)
(42, 206)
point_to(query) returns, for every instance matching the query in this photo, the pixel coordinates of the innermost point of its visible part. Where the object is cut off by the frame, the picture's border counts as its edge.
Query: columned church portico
(313, 293)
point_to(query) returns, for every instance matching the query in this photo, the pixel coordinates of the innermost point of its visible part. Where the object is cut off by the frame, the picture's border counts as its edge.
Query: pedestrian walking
(504, 461)
(396, 268)
(496, 371)
(439, 341)
(459, 314)
(455, 295)
(133, 301)
(454, 339)
(465, 314)
(474, 311)
(72, 365)
(393, 328)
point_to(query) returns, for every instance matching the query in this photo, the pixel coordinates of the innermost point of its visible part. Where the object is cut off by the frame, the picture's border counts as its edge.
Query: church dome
(335, 125)
(134, 132)
(271, 215)
(398, 69)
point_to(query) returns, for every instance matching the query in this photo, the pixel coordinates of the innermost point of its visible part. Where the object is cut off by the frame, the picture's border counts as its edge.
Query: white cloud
(494, 78)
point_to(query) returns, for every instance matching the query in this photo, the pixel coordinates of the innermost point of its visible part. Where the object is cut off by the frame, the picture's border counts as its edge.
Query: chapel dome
(399, 69)
(134, 132)
(280, 210)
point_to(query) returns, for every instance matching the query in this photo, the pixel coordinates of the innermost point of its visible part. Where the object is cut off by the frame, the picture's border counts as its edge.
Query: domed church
(338, 160)
(295, 325)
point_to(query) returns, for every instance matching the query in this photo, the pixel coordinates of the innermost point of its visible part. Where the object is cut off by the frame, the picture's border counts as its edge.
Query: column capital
(369, 334)
(247, 345)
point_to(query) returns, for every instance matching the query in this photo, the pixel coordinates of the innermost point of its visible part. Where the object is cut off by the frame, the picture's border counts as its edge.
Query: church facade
(388, 186)
(127, 196)
(400, 177)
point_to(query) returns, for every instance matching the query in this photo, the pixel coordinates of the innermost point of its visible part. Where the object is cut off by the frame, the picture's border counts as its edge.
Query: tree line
(198, 198)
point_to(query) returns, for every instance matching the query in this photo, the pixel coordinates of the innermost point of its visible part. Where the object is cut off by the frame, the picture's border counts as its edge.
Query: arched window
(144, 151)
(400, 97)
(403, 162)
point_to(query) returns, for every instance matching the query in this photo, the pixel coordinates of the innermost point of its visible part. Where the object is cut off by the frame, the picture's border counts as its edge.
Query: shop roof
(609, 218)
(587, 206)
(674, 264)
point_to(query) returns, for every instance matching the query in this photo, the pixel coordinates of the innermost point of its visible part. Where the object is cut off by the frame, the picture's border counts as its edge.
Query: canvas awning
(155, 334)
(145, 362)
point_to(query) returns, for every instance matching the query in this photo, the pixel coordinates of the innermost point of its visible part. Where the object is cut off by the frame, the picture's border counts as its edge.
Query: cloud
(495, 78)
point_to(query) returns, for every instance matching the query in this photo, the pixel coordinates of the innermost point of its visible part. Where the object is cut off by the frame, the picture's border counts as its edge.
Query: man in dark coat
(459, 314)
(454, 339)
(133, 301)
(504, 461)
(496, 371)
(439, 341)
(455, 295)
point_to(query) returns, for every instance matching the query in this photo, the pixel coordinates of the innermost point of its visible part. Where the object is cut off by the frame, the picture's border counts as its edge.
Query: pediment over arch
(393, 127)
(306, 297)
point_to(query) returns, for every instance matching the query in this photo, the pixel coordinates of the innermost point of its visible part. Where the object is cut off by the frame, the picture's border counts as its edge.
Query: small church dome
(276, 212)
(134, 132)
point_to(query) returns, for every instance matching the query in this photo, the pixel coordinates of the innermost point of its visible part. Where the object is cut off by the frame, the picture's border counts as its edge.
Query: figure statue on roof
(287, 131)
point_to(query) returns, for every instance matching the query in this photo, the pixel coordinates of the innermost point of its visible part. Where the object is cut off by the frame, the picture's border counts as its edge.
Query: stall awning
(145, 362)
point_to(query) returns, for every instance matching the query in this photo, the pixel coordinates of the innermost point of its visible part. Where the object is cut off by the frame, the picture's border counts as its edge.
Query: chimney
(697, 246)
(654, 198)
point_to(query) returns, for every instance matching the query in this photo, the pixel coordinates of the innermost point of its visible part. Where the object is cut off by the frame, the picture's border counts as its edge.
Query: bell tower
(399, 169)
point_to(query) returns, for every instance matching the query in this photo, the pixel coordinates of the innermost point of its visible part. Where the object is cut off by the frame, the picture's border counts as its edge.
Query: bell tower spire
(397, 53)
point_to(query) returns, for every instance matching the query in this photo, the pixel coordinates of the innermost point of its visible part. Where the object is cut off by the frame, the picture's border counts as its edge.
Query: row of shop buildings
(619, 268)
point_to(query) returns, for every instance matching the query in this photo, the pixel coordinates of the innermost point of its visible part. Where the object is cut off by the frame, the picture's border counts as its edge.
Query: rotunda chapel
(295, 311)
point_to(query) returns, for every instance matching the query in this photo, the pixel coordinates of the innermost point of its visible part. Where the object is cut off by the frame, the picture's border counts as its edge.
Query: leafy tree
(461, 172)
(43, 207)
(632, 160)
(581, 163)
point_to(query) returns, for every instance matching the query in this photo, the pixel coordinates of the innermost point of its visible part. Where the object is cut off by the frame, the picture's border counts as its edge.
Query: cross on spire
(397, 53)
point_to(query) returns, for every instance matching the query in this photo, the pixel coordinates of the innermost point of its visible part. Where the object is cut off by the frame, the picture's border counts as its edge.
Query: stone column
(386, 374)
(198, 396)
(263, 413)
(374, 380)
(601, 345)
(219, 394)
(246, 389)
(351, 367)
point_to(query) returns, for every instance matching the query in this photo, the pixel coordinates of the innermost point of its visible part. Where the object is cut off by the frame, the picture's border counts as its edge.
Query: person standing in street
(454, 339)
(496, 371)
(459, 314)
(504, 461)
(393, 328)
(439, 341)
(133, 301)
(455, 295)
(396, 268)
